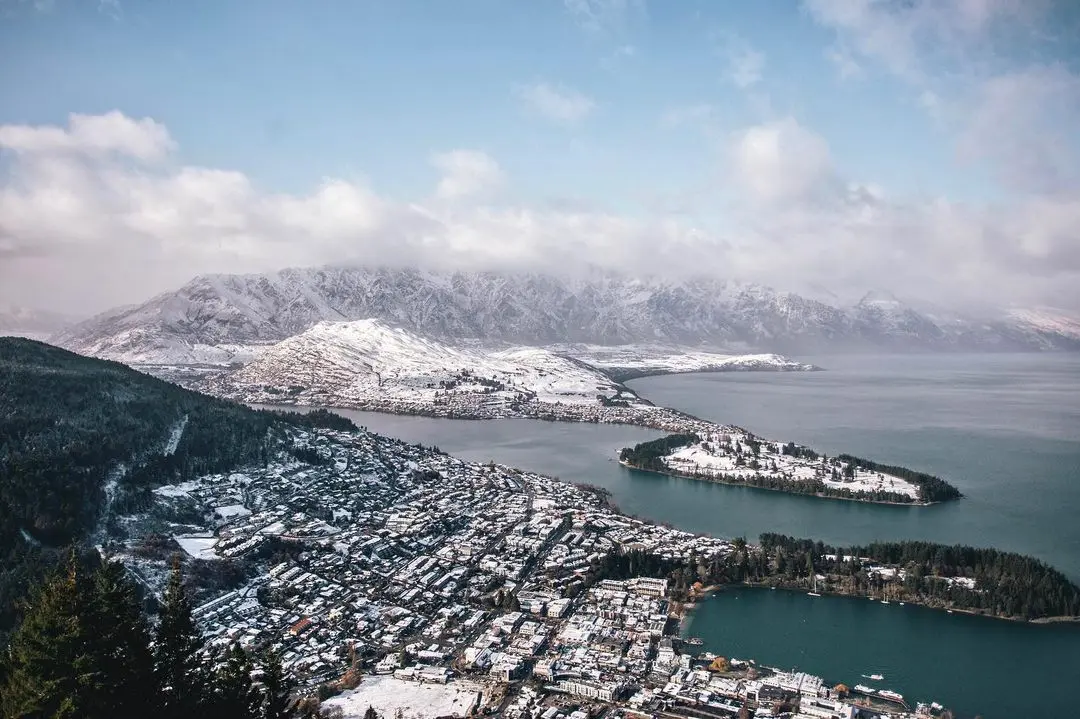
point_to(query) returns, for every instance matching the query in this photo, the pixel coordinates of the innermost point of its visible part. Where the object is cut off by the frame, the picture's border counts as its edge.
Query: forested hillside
(70, 426)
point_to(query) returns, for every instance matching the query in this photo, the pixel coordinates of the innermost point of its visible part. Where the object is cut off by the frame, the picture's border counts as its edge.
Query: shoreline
(681, 475)
(652, 417)
(714, 589)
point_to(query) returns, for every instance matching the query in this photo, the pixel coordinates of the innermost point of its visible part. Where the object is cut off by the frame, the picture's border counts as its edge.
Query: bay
(973, 665)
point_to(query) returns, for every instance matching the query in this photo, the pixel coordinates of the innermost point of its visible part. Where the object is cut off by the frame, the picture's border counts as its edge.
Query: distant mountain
(18, 321)
(218, 318)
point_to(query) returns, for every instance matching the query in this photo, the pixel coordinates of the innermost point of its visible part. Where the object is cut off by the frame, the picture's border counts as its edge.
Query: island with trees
(729, 455)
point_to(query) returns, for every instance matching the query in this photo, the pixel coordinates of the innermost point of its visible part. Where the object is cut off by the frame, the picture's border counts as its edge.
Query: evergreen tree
(49, 670)
(123, 664)
(277, 689)
(234, 696)
(179, 668)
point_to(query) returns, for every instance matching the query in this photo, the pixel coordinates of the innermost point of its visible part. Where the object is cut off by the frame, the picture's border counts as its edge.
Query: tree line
(85, 650)
(650, 455)
(1006, 584)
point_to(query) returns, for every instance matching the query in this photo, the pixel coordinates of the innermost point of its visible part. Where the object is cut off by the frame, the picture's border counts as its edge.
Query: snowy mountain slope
(367, 363)
(219, 311)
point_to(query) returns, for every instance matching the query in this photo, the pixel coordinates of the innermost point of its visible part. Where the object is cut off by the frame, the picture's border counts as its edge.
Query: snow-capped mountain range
(218, 318)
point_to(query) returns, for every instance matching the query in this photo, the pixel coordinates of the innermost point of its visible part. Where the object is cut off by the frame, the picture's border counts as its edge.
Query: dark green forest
(69, 423)
(85, 650)
(1006, 584)
(648, 455)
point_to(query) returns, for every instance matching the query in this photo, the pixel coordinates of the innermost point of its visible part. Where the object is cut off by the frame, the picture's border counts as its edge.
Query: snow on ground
(176, 490)
(174, 437)
(715, 455)
(368, 360)
(198, 546)
(232, 510)
(386, 694)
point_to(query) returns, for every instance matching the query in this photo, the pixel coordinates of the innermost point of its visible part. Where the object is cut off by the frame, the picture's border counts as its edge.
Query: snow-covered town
(394, 576)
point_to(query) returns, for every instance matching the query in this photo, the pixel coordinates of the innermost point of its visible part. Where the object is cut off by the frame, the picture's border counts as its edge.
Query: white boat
(884, 601)
(888, 694)
(862, 689)
(875, 677)
(812, 594)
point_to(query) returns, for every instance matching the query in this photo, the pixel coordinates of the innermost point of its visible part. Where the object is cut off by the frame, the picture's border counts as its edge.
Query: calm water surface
(1005, 429)
(973, 665)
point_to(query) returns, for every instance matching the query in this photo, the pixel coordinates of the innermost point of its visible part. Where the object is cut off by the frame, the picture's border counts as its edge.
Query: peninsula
(368, 365)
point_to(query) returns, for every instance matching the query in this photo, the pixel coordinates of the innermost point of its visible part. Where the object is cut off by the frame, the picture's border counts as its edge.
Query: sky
(927, 148)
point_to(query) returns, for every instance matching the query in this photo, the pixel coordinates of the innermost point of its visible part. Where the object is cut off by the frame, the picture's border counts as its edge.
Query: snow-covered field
(387, 695)
(645, 359)
(198, 546)
(730, 454)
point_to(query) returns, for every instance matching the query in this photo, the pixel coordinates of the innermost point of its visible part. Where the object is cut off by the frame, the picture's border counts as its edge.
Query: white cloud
(905, 36)
(555, 102)
(82, 229)
(780, 162)
(112, 132)
(466, 173)
(605, 17)
(1024, 123)
(745, 64)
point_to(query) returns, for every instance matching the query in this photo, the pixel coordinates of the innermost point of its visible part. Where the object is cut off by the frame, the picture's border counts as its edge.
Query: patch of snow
(174, 437)
(388, 694)
(176, 490)
(197, 546)
(232, 510)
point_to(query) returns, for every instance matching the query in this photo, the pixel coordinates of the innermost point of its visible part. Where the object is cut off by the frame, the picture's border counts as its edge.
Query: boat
(875, 677)
(901, 604)
(891, 695)
(696, 641)
(863, 689)
(812, 594)
(884, 601)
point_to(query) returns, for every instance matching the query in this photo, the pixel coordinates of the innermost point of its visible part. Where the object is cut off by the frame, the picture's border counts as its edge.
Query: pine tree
(49, 670)
(233, 695)
(120, 640)
(179, 668)
(277, 689)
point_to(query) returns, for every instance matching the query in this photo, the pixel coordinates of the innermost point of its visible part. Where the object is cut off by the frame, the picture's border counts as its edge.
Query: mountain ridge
(211, 317)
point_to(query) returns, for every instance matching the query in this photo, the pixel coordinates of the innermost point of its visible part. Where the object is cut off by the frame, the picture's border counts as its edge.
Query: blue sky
(751, 125)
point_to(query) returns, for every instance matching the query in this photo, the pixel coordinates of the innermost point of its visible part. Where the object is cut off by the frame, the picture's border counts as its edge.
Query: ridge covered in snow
(369, 364)
(219, 318)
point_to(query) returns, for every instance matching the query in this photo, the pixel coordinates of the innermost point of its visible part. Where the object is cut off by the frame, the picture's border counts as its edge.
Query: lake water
(973, 665)
(1005, 429)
